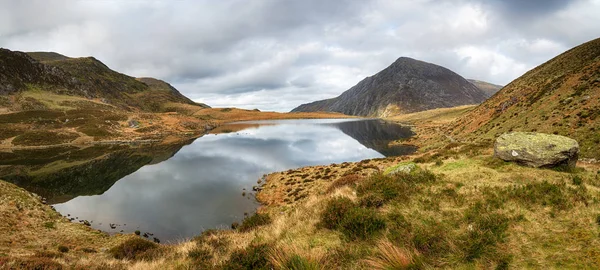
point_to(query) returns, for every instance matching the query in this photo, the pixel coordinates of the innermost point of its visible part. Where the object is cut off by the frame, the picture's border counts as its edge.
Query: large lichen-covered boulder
(537, 149)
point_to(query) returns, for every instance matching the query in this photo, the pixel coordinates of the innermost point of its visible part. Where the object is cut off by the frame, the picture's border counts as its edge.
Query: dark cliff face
(18, 70)
(406, 86)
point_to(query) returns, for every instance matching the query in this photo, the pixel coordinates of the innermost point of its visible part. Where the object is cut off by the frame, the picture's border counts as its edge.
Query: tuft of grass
(289, 258)
(132, 249)
(254, 221)
(50, 225)
(390, 256)
(296, 262)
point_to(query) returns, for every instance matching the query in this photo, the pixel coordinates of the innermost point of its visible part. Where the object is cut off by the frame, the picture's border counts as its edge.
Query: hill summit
(85, 77)
(406, 86)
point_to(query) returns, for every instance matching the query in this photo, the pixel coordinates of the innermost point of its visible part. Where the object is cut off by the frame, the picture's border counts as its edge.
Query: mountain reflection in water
(177, 191)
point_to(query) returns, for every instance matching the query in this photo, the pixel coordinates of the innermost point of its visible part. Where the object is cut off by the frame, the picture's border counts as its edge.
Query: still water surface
(200, 186)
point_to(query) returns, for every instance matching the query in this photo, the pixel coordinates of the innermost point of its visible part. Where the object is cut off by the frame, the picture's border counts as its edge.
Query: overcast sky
(277, 54)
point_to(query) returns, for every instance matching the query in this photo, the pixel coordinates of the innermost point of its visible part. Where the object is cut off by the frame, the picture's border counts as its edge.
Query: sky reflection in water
(201, 186)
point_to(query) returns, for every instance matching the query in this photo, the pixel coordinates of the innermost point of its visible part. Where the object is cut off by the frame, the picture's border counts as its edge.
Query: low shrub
(48, 254)
(253, 257)
(44, 138)
(63, 249)
(30, 263)
(577, 180)
(371, 201)
(387, 187)
(200, 257)
(254, 221)
(431, 238)
(361, 224)
(132, 249)
(346, 180)
(335, 211)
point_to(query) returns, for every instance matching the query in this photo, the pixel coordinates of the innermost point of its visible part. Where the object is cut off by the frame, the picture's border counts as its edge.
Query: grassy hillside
(561, 96)
(488, 88)
(461, 209)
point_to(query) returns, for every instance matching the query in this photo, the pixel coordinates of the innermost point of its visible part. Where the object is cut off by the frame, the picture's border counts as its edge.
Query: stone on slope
(404, 167)
(537, 149)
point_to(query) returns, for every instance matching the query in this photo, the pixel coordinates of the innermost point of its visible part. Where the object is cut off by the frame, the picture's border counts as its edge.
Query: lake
(175, 192)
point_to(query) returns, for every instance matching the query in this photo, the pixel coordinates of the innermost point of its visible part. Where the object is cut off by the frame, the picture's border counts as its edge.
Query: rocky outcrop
(537, 149)
(406, 86)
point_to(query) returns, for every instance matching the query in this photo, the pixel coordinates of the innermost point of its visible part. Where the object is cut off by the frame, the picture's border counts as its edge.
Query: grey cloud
(275, 55)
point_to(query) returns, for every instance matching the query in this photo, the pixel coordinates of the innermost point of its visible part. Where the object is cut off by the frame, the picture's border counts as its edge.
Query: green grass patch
(132, 249)
(558, 196)
(400, 186)
(361, 224)
(455, 165)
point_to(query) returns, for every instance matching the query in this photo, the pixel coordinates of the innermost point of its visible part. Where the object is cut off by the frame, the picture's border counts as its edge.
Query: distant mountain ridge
(488, 88)
(406, 86)
(84, 77)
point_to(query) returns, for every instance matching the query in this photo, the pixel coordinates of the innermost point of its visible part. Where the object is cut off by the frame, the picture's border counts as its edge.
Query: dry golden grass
(435, 116)
(390, 256)
(234, 114)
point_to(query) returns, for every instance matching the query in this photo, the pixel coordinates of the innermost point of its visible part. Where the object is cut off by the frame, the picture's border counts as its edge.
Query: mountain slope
(85, 77)
(406, 86)
(488, 88)
(560, 96)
